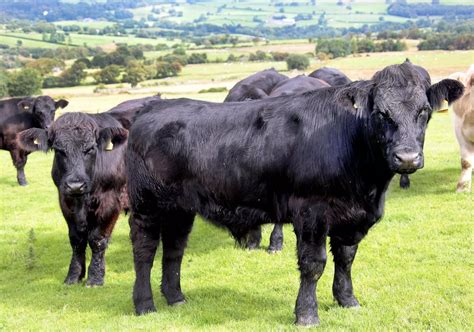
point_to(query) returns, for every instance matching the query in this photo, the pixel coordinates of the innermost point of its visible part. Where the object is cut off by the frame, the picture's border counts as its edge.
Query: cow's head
(77, 142)
(43, 109)
(399, 104)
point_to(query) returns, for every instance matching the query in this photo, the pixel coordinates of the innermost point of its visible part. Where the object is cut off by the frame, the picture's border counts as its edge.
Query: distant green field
(243, 12)
(89, 24)
(36, 40)
(11, 40)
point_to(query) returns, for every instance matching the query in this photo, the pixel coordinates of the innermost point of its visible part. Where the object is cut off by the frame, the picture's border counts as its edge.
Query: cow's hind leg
(311, 232)
(77, 266)
(145, 235)
(342, 284)
(19, 158)
(465, 180)
(254, 237)
(174, 235)
(404, 181)
(276, 239)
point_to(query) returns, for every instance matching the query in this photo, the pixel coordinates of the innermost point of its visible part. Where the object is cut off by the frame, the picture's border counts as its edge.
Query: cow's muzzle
(407, 162)
(75, 188)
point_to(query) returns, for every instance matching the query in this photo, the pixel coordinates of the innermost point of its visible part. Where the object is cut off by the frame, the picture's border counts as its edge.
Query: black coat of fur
(18, 114)
(311, 159)
(297, 85)
(332, 76)
(256, 86)
(89, 173)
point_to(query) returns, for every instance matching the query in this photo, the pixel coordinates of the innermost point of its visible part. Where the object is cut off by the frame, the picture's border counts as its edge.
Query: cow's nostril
(76, 187)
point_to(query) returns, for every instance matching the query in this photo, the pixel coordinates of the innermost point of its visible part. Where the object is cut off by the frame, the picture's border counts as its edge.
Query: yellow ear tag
(36, 141)
(444, 106)
(26, 107)
(356, 106)
(109, 146)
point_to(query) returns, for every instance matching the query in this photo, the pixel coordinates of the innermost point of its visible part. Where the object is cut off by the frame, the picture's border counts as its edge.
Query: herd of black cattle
(316, 151)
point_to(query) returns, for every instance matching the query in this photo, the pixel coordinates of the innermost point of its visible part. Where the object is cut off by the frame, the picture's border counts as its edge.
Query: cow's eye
(385, 117)
(89, 150)
(424, 111)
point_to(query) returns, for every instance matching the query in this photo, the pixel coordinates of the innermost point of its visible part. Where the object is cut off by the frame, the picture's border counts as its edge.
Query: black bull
(313, 159)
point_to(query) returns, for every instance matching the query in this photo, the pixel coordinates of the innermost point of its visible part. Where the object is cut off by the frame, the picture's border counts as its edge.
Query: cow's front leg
(311, 232)
(96, 272)
(276, 239)
(174, 235)
(145, 237)
(77, 266)
(342, 284)
(19, 158)
(254, 237)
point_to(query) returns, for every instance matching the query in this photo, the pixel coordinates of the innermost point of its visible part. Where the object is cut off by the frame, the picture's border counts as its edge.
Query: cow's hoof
(307, 321)
(178, 303)
(145, 309)
(350, 302)
(23, 183)
(463, 188)
(252, 246)
(72, 280)
(274, 249)
(94, 283)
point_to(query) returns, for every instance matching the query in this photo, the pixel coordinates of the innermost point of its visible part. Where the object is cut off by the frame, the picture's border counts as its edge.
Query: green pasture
(414, 271)
(36, 40)
(243, 12)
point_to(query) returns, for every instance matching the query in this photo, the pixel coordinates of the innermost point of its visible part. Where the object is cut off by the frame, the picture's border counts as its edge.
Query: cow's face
(43, 109)
(400, 106)
(77, 142)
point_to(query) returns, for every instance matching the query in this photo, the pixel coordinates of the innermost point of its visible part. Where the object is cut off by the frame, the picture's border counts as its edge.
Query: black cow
(424, 76)
(297, 85)
(332, 76)
(290, 86)
(127, 110)
(89, 173)
(312, 159)
(18, 114)
(256, 86)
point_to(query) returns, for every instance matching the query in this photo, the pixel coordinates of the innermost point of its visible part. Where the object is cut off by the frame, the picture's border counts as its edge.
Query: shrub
(108, 75)
(297, 61)
(74, 75)
(280, 56)
(25, 82)
(212, 90)
(196, 58)
(166, 69)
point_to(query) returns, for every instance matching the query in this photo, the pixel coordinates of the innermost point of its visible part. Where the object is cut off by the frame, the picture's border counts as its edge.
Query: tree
(3, 84)
(108, 75)
(167, 69)
(25, 82)
(297, 61)
(74, 75)
(134, 73)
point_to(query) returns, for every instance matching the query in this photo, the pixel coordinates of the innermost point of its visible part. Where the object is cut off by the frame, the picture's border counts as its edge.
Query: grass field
(414, 271)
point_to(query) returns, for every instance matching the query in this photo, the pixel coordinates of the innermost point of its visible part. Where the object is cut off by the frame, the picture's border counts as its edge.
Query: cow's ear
(61, 103)
(447, 89)
(111, 138)
(26, 104)
(356, 96)
(33, 139)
